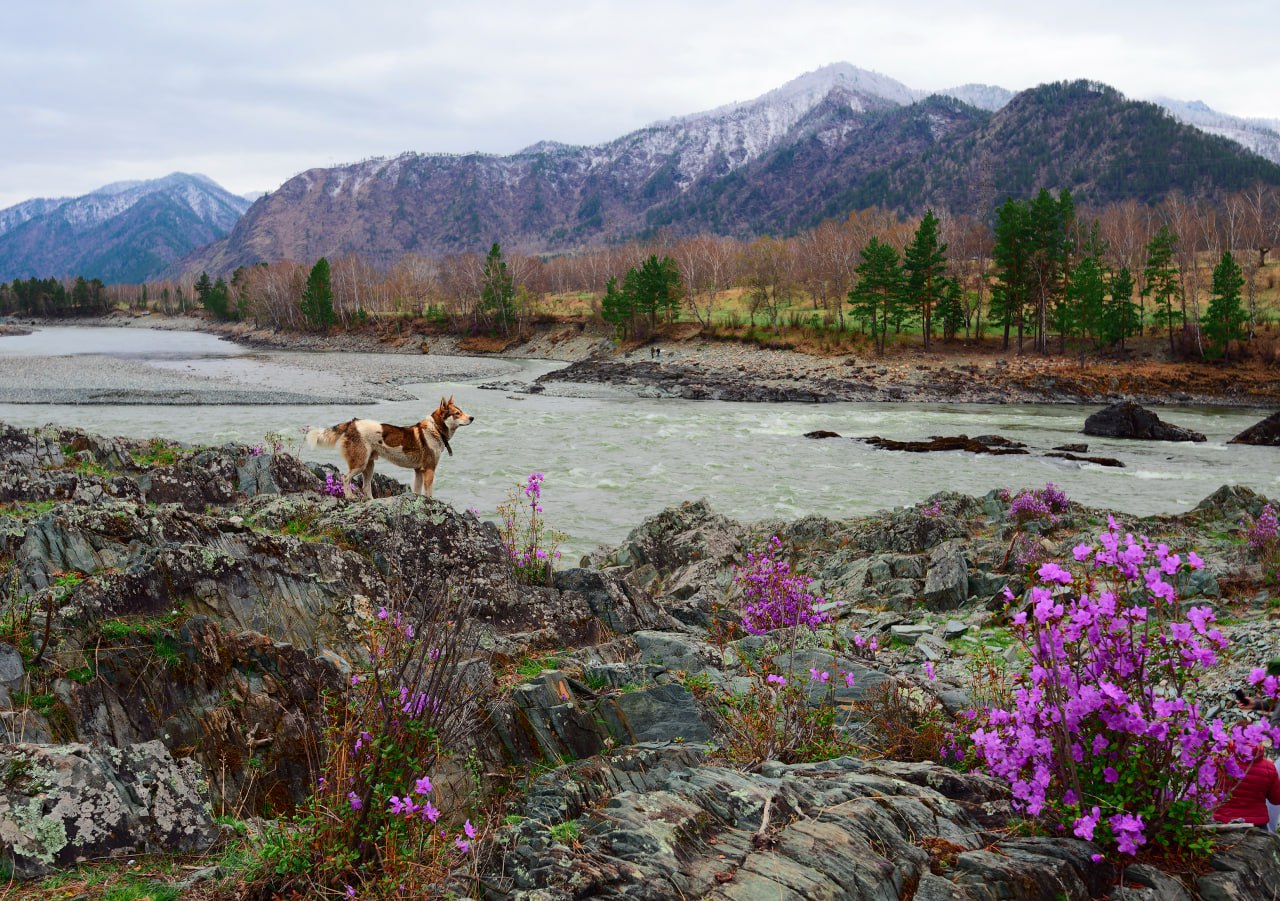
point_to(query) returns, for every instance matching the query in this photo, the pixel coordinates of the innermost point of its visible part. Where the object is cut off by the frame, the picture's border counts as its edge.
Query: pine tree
(1011, 256)
(950, 310)
(615, 308)
(217, 300)
(497, 292)
(203, 286)
(924, 267)
(317, 297)
(1162, 280)
(1121, 317)
(1226, 319)
(1083, 309)
(878, 294)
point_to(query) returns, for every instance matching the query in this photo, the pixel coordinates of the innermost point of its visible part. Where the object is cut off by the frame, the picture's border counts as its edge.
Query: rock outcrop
(661, 822)
(220, 617)
(1128, 420)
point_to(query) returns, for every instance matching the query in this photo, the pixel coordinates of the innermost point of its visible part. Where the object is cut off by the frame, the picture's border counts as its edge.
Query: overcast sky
(251, 93)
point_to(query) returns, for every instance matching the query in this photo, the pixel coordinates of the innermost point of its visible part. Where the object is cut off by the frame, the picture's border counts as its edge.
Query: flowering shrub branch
(775, 718)
(374, 825)
(1106, 735)
(529, 543)
(1264, 540)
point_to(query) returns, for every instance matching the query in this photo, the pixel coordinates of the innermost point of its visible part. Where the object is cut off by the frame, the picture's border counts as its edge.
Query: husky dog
(417, 447)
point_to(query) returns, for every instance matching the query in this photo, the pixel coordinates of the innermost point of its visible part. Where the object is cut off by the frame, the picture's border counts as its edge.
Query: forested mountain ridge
(124, 232)
(835, 140)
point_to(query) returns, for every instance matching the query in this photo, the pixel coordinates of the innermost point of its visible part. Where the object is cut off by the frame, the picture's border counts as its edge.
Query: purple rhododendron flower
(1113, 669)
(1084, 826)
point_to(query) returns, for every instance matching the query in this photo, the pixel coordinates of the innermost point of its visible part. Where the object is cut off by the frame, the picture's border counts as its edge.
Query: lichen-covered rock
(663, 823)
(946, 585)
(622, 606)
(679, 536)
(249, 709)
(909, 531)
(69, 803)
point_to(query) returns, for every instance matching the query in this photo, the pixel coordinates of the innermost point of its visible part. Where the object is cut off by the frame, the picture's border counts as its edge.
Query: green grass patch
(42, 703)
(531, 667)
(142, 891)
(147, 628)
(157, 453)
(29, 509)
(567, 833)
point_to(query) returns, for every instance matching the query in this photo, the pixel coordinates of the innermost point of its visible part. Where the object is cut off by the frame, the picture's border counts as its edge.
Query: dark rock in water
(1101, 461)
(985, 444)
(1073, 448)
(1128, 420)
(1265, 433)
(63, 804)
(998, 441)
(821, 433)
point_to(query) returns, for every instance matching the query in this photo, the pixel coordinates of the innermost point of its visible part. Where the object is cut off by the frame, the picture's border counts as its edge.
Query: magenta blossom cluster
(533, 489)
(409, 808)
(1106, 735)
(1264, 533)
(1039, 503)
(773, 597)
(865, 647)
(823, 677)
(333, 486)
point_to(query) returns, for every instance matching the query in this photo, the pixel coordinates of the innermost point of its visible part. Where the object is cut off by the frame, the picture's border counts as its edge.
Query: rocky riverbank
(267, 375)
(695, 368)
(187, 609)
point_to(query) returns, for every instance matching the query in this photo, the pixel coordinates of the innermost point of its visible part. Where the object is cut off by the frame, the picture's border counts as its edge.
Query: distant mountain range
(124, 232)
(833, 140)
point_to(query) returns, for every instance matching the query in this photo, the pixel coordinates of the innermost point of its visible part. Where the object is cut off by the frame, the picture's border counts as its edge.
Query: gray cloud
(251, 93)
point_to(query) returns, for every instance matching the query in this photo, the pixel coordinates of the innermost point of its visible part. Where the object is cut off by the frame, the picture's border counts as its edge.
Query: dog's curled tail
(326, 437)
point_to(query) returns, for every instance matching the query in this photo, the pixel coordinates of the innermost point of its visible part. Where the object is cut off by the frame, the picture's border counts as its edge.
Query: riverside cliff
(175, 617)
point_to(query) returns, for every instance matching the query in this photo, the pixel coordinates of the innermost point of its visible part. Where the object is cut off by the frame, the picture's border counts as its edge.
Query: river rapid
(612, 459)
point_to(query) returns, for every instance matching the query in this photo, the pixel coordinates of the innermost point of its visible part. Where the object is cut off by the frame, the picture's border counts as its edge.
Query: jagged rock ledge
(255, 589)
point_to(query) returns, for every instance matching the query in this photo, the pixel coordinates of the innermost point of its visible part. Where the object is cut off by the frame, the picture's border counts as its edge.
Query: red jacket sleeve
(1273, 787)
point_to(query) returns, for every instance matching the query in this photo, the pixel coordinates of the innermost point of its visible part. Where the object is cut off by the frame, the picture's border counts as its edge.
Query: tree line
(1040, 269)
(53, 298)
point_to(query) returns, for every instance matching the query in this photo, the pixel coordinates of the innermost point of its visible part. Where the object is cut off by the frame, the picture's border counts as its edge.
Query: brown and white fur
(417, 447)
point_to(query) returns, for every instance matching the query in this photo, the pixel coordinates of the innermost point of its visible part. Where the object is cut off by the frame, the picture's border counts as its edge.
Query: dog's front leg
(417, 481)
(428, 477)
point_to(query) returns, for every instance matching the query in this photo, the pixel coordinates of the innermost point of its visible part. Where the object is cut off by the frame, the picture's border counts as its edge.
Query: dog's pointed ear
(451, 400)
(443, 403)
